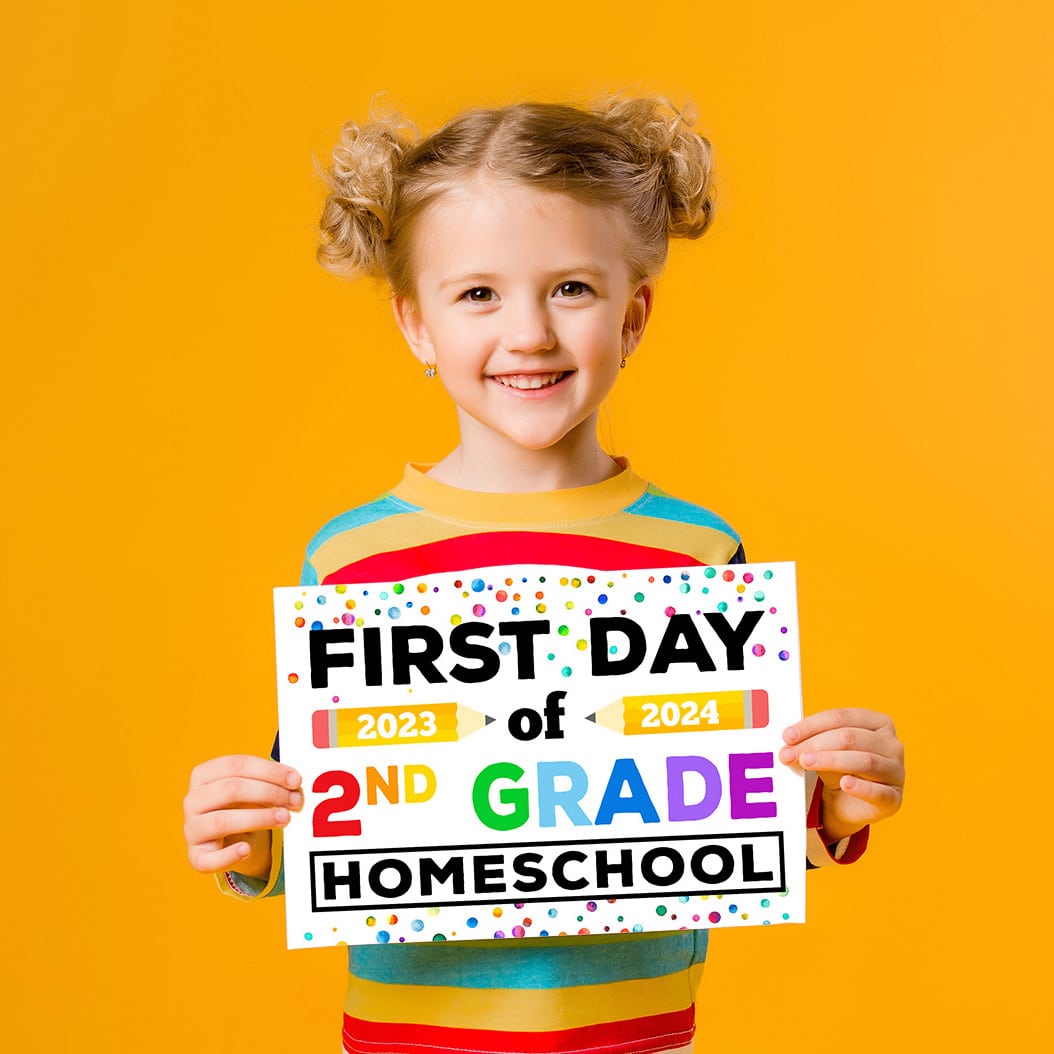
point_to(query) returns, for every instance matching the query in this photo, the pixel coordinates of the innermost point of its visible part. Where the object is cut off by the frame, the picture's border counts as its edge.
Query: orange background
(853, 368)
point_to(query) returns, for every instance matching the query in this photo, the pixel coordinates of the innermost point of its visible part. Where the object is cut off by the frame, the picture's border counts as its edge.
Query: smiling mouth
(530, 381)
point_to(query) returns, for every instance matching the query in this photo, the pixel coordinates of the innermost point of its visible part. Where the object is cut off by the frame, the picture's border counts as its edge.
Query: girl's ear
(410, 324)
(638, 311)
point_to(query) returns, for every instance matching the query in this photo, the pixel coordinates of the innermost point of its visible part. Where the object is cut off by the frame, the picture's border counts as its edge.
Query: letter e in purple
(740, 785)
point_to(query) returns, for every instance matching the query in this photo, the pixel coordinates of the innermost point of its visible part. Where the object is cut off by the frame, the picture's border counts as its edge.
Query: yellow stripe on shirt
(519, 1009)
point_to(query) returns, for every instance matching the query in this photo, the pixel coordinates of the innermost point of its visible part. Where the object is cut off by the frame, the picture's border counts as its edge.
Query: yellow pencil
(379, 726)
(642, 715)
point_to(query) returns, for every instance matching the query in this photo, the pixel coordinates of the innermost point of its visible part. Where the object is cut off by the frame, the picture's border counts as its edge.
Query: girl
(522, 246)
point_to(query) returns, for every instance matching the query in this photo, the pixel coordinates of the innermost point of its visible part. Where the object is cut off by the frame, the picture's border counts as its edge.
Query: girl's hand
(860, 761)
(231, 808)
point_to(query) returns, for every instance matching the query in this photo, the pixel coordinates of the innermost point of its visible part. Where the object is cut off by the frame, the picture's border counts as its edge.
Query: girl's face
(525, 304)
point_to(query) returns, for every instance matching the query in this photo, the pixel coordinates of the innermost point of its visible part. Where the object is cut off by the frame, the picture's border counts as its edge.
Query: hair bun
(681, 158)
(356, 219)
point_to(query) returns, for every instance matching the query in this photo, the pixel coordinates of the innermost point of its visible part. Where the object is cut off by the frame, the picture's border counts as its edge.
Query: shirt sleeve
(245, 887)
(817, 852)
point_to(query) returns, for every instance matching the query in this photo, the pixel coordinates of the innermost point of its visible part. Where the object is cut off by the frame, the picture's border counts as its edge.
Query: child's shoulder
(661, 505)
(360, 531)
(371, 512)
(680, 531)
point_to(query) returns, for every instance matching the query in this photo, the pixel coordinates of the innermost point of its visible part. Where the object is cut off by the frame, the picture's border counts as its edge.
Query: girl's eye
(572, 289)
(479, 295)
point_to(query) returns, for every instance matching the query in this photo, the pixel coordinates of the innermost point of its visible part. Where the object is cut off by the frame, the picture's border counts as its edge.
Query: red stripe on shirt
(506, 548)
(642, 1035)
(857, 842)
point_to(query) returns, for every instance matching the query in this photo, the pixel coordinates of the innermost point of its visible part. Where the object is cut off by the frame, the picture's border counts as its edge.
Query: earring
(430, 370)
(622, 364)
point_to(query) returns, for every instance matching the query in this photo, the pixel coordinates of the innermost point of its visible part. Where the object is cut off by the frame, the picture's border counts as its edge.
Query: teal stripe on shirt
(380, 509)
(558, 962)
(654, 503)
(360, 517)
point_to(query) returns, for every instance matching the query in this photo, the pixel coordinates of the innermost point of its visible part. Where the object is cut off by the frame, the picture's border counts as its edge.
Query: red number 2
(322, 824)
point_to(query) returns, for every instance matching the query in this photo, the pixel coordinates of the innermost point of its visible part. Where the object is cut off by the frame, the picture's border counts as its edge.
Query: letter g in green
(514, 796)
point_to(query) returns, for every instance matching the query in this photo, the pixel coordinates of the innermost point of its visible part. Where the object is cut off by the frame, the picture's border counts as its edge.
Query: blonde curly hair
(640, 156)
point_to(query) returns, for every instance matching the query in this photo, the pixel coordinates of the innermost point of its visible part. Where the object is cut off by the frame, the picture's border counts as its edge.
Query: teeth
(528, 381)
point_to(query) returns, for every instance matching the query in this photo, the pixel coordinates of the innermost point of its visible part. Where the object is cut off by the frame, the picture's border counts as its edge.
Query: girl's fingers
(883, 796)
(859, 759)
(234, 791)
(246, 766)
(211, 859)
(846, 738)
(230, 800)
(863, 764)
(844, 717)
(217, 826)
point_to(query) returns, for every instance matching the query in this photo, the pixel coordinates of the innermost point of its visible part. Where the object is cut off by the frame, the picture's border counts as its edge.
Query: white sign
(539, 751)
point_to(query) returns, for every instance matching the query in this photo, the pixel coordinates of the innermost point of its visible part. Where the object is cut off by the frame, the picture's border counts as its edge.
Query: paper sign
(535, 751)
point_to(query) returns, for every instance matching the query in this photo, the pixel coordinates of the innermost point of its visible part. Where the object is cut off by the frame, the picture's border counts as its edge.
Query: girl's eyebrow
(587, 270)
(468, 280)
(475, 278)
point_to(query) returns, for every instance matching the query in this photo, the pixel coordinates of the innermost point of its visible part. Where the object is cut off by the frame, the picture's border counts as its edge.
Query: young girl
(522, 246)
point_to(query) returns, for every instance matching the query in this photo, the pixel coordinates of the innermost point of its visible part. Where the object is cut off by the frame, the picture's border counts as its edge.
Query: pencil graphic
(378, 726)
(641, 715)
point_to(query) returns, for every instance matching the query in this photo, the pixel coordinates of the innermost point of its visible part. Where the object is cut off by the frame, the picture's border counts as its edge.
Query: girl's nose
(527, 329)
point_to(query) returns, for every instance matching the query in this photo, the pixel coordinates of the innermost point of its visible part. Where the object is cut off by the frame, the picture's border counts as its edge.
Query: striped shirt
(595, 994)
